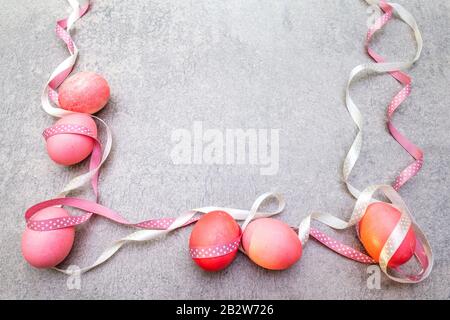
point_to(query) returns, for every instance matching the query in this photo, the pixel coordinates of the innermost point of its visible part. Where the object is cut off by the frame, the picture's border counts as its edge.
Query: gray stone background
(230, 64)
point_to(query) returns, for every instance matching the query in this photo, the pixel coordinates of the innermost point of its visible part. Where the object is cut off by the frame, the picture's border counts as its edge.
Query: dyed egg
(216, 228)
(271, 244)
(85, 92)
(46, 249)
(71, 148)
(375, 227)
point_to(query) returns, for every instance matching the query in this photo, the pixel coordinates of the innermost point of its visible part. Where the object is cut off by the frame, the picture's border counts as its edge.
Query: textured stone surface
(230, 64)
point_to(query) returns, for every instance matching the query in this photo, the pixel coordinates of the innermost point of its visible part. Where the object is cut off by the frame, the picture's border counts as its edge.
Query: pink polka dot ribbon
(67, 129)
(340, 248)
(216, 250)
(65, 222)
(161, 224)
(411, 170)
(91, 208)
(57, 223)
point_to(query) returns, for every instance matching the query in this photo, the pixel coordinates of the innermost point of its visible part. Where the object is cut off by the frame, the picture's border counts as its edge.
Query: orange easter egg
(271, 244)
(71, 148)
(46, 249)
(375, 227)
(214, 230)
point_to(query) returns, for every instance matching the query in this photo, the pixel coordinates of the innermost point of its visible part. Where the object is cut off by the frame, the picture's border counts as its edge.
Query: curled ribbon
(49, 95)
(405, 80)
(383, 67)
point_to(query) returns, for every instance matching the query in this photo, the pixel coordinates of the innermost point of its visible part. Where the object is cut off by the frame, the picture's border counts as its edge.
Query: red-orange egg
(271, 244)
(213, 230)
(375, 227)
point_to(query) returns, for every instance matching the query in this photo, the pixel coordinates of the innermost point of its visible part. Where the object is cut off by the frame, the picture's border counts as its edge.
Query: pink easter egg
(85, 92)
(271, 244)
(46, 249)
(71, 148)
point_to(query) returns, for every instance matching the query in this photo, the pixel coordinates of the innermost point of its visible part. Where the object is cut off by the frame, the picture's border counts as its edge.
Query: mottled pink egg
(46, 249)
(71, 148)
(85, 92)
(271, 244)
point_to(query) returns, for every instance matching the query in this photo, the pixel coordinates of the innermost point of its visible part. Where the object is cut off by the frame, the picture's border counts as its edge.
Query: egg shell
(271, 244)
(375, 227)
(214, 228)
(68, 149)
(85, 92)
(46, 249)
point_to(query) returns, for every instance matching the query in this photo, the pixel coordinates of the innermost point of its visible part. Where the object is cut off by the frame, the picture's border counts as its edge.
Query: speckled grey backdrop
(230, 64)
